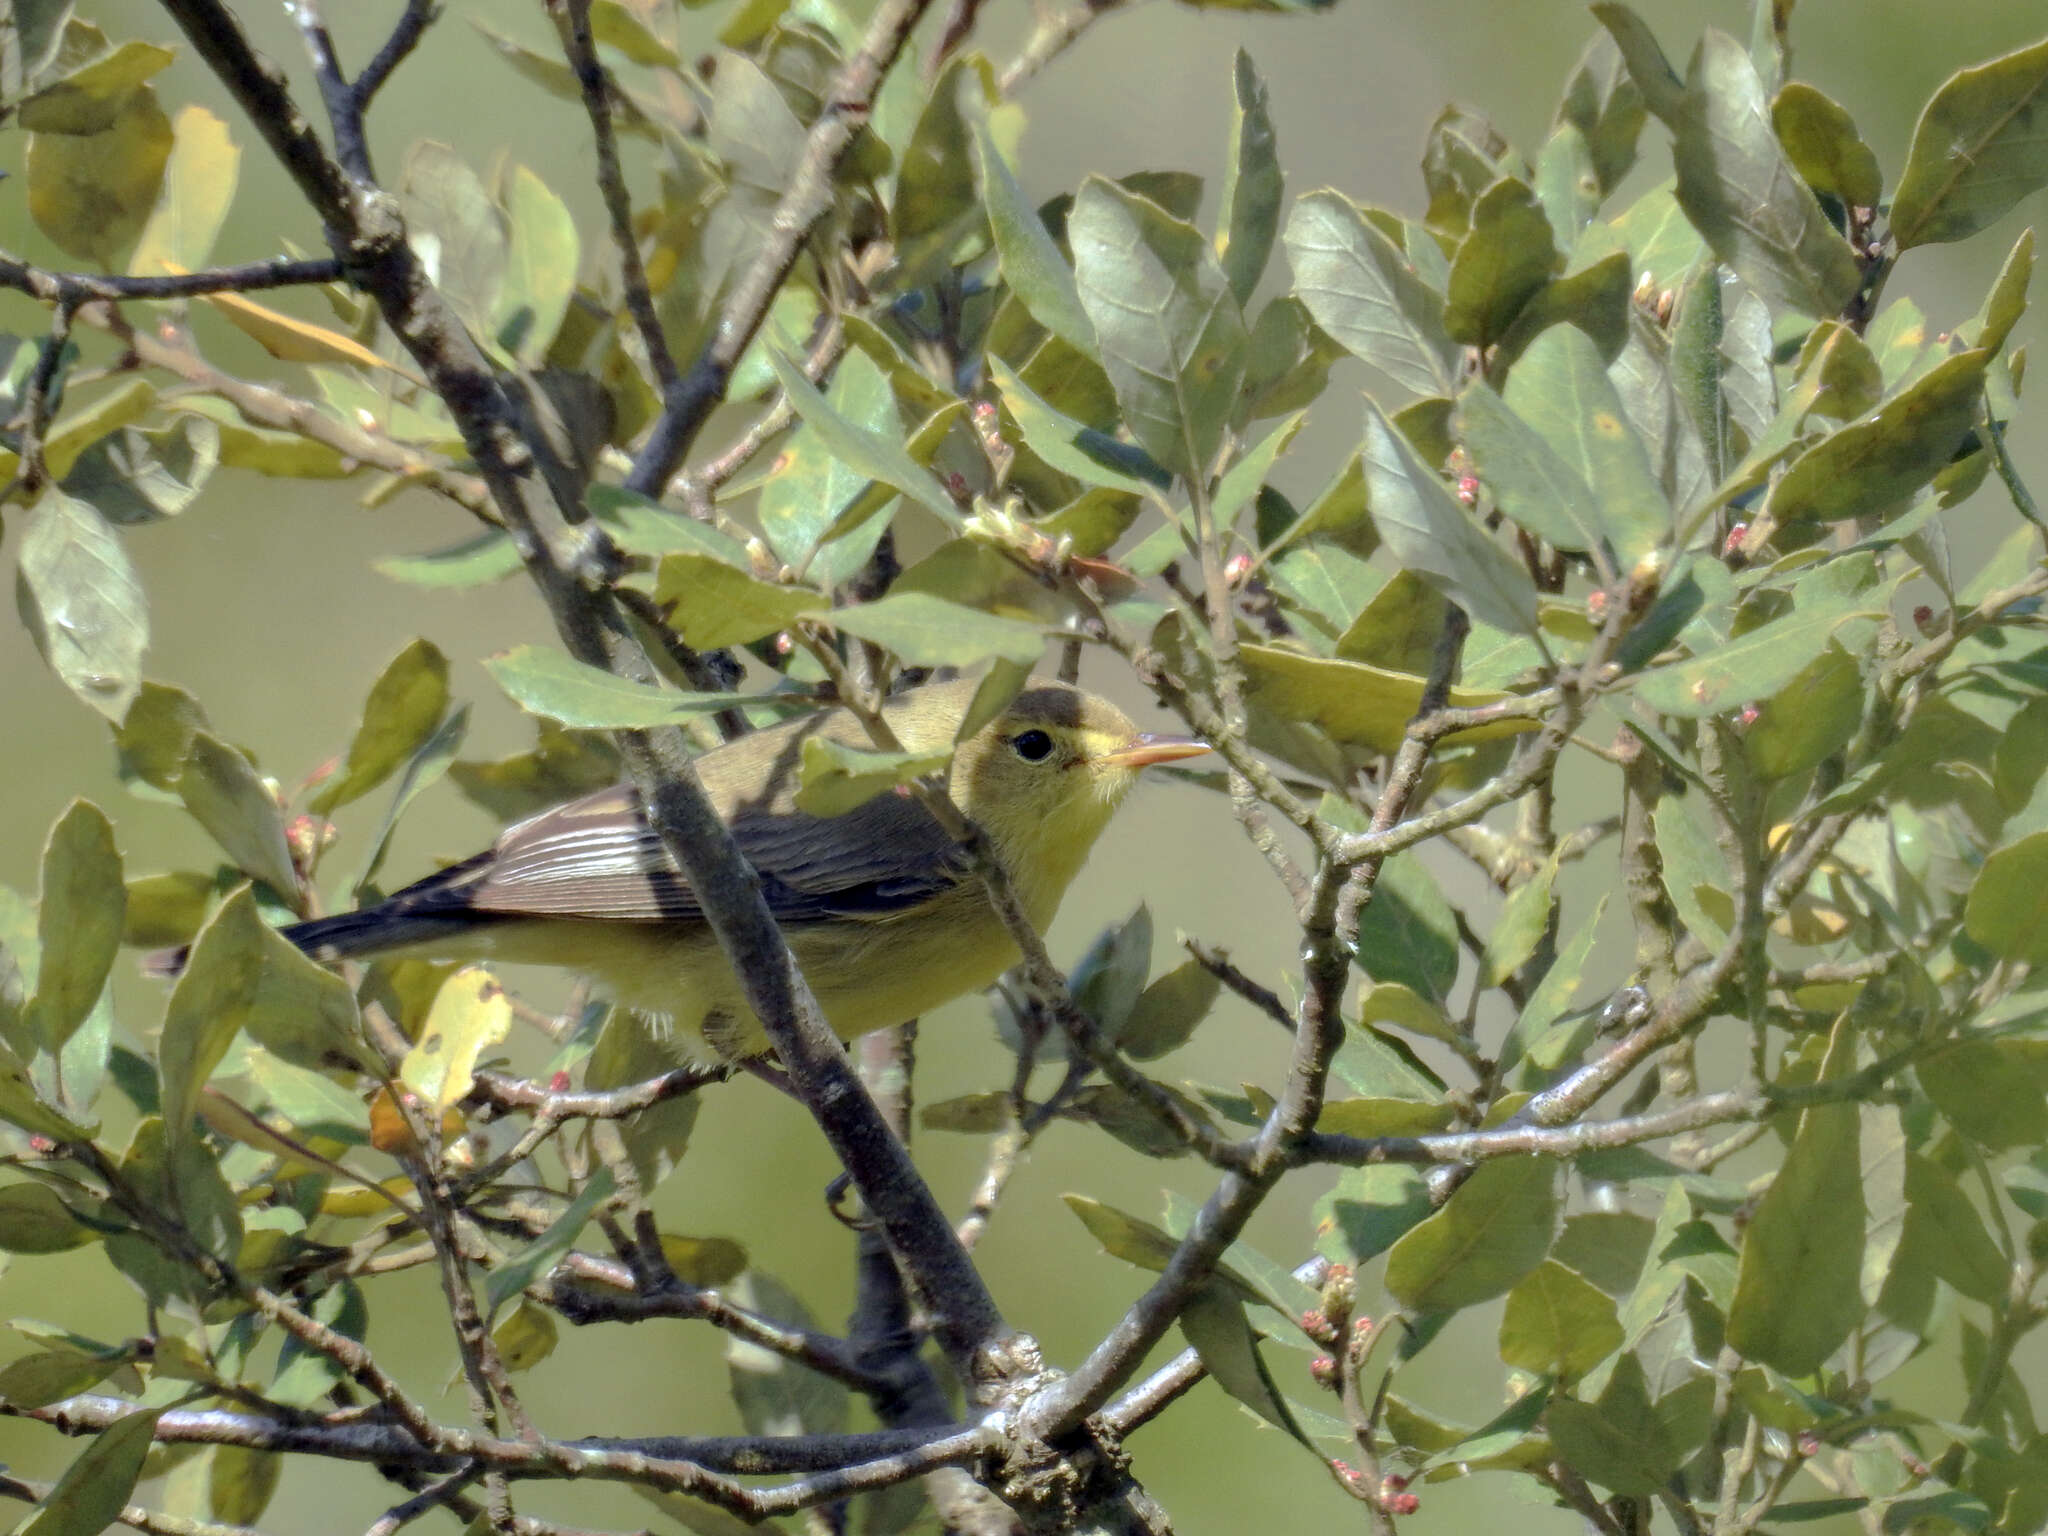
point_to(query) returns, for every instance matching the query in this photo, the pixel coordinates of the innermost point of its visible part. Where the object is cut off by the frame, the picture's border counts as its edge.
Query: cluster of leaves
(1684, 471)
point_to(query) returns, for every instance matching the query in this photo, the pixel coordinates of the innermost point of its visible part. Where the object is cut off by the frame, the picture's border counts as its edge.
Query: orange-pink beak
(1148, 747)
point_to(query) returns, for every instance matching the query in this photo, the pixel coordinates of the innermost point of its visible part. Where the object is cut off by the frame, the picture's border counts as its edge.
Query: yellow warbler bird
(879, 904)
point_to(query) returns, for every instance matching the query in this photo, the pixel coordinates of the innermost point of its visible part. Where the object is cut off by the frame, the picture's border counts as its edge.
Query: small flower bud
(559, 1083)
(784, 644)
(1596, 604)
(1316, 1324)
(1468, 490)
(1747, 716)
(1401, 1503)
(1323, 1371)
(1344, 1469)
(1732, 545)
(1808, 1443)
(1236, 568)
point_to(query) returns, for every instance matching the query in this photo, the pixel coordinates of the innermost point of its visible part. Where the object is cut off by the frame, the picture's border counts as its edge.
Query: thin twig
(807, 199)
(90, 287)
(419, 15)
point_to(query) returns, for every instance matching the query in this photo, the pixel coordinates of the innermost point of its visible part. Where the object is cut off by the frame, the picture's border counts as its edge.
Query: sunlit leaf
(1977, 150)
(1367, 294)
(82, 602)
(1252, 184)
(1493, 1231)
(199, 183)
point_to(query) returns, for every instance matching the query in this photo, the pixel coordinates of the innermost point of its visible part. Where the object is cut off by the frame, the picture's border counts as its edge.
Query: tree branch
(77, 288)
(688, 405)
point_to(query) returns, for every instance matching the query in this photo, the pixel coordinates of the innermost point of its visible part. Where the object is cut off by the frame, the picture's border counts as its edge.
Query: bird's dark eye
(1032, 746)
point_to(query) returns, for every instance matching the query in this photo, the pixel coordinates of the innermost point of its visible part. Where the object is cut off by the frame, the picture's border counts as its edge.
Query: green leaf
(777, 1396)
(21, 1105)
(935, 176)
(199, 183)
(1369, 1210)
(530, 1264)
(545, 682)
(928, 631)
(213, 997)
(470, 1014)
(1952, 1234)
(1167, 1011)
(404, 706)
(135, 475)
(50, 1376)
(240, 1482)
(1560, 387)
(1558, 1324)
(1821, 140)
(92, 195)
(1032, 266)
(836, 777)
(78, 924)
(302, 1012)
(1252, 184)
(1491, 1233)
(1367, 295)
(2007, 300)
(1351, 701)
(94, 1489)
(82, 602)
(490, 556)
(1171, 335)
(1506, 256)
(1740, 191)
(1766, 659)
(229, 799)
(1620, 1442)
(1567, 186)
(1089, 455)
(1989, 1089)
(1798, 1290)
(34, 1220)
(714, 605)
(1605, 104)
(88, 100)
(1658, 84)
(1524, 919)
(1215, 1323)
(1873, 466)
(435, 756)
(2004, 912)
(542, 250)
(1977, 150)
(872, 455)
(1108, 979)
(654, 1138)
(449, 209)
(1431, 534)
(1810, 718)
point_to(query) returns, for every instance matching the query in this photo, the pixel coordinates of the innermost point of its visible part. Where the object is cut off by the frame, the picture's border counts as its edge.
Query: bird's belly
(866, 975)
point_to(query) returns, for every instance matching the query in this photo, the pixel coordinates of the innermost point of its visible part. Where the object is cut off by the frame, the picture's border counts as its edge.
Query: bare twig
(75, 288)
(581, 48)
(412, 25)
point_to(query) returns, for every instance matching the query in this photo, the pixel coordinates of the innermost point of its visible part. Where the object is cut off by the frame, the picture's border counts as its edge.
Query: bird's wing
(598, 858)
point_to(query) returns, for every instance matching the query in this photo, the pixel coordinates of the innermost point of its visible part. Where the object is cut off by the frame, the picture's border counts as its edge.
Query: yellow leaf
(91, 194)
(199, 183)
(471, 1013)
(290, 339)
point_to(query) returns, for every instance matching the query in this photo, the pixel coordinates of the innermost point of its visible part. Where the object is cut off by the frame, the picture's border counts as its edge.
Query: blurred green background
(264, 605)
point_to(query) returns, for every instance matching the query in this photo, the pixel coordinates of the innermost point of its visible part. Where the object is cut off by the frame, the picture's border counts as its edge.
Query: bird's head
(1044, 777)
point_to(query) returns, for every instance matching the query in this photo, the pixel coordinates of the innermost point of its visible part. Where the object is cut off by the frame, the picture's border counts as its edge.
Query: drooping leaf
(935, 173)
(290, 339)
(1170, 332)
(198, 184)
(211, 1000)
(467, 246)
(227, 797)
(78, 922)
(138, 475)
(1352, 701)
(82, 602)
(1366, 294)
(1977, 149)
(489, 556)
(835, 777)
(1438, 539)
(654, 1138)
(1797, 1293)
(1215, 1323)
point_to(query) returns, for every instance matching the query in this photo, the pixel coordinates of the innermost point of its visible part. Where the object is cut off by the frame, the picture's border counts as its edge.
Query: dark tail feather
(432, 909)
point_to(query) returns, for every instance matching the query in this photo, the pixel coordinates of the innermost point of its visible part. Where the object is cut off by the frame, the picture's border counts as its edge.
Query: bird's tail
(425, 913)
